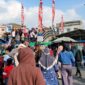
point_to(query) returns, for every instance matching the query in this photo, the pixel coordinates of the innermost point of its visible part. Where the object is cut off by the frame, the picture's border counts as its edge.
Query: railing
(47, 34)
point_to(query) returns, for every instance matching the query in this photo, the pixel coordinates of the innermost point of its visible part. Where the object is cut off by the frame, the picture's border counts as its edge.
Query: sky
(10, 11)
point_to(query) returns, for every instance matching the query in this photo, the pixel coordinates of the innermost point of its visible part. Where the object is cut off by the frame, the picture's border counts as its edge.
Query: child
(9, 66)
(1, 69)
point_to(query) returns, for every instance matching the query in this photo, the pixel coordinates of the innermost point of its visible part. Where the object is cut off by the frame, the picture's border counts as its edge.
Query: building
(78, 35)
(15, 26)
(70, 26)
(2, 30)
(7, 28)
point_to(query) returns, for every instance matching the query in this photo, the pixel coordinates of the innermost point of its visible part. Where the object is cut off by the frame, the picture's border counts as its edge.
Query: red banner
(53, 11)
(62, 24)
(22, 14)
(40, 16)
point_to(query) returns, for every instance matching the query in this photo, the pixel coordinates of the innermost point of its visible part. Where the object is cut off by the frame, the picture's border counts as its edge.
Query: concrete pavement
(76, 80)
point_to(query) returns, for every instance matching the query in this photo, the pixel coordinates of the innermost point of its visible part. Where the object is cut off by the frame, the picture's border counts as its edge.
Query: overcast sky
(10, 11)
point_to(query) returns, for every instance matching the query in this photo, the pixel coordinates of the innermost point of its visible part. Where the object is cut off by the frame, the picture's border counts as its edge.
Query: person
(78, 60)
(22, 37)
(33, 36)
(66, 59)
(1, 70)
(26, 43)
(17, 39)
(20, 34)
(6, 56)
(14, 52)
(83, 53)
(59, 49)
(48, 67)
(8, 68)
(26, 73)
(38, 52)
(13, 34)
(25, 31)
(51, 52)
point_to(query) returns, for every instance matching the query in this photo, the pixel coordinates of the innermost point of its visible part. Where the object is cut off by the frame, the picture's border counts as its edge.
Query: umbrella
(65, 39)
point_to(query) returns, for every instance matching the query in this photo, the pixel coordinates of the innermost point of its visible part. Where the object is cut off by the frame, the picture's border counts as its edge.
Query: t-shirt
(7, 71)
(13, 34)
(6, 57)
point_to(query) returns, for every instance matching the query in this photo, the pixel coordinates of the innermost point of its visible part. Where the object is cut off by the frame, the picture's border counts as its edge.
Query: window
(2, 29)
(68, 30)
(75, 28)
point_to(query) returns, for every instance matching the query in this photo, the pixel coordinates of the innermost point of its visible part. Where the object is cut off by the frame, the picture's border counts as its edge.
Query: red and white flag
(53, 11)
(22, 14)
(40, 16)
(62, 24)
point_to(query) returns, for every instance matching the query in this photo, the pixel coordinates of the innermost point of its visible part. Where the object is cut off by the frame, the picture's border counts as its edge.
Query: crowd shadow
(76, 81)
(83, 68)
(77, 84)
(80, 80)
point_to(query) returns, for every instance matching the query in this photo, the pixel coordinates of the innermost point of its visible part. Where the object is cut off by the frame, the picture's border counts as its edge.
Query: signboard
(40, 37)
(9, 28)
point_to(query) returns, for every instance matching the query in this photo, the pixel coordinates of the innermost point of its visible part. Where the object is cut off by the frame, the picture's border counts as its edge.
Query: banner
(53, 11)
(40, 16)
(8, 28)
(40, 37)
(62, 24)
(22, 14)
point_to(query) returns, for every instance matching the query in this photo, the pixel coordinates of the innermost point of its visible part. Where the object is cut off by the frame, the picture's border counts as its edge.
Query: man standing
(66, 58)
(78, 60)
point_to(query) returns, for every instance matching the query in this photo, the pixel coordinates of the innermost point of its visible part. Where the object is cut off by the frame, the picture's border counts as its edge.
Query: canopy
(76, 34)
(65, 39)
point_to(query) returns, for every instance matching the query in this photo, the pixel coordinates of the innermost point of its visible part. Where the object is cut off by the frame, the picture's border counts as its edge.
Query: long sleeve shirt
(66, 57)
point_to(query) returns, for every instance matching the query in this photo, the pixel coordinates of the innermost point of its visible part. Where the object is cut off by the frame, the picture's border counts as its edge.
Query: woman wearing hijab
(48, 67)
(26, 73)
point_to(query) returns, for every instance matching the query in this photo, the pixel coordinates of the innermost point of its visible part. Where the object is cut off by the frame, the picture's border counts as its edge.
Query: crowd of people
(21, 64)
(25, 65)
(22, 34)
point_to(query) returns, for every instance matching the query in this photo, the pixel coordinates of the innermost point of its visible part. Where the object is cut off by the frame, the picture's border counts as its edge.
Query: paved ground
(76, 80)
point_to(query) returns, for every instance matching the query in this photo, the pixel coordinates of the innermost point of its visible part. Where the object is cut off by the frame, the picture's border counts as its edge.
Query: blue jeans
(6, 81)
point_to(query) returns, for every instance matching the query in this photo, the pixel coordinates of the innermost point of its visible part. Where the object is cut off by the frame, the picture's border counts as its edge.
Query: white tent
(65, 39)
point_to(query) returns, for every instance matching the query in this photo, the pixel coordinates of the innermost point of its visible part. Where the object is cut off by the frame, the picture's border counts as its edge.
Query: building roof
(77, 34)
(70, 23)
